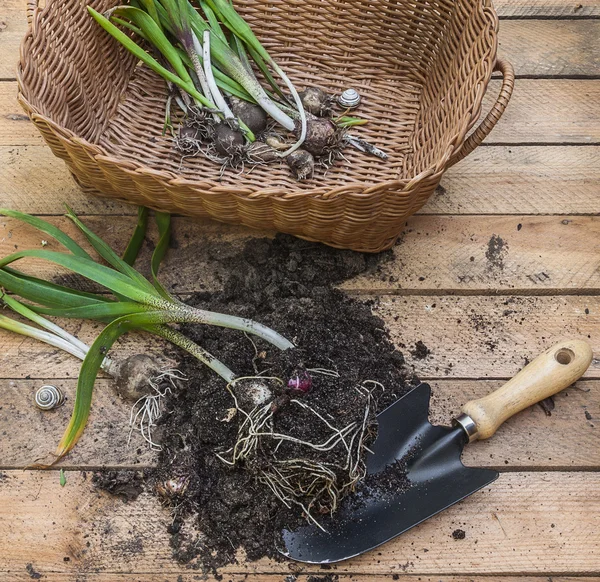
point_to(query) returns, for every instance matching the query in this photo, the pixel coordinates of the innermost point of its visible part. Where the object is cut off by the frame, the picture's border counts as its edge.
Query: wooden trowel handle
(556, 369)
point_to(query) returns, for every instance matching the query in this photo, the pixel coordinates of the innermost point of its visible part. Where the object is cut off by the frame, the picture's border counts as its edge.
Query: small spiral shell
(350, 99)
(48, 397)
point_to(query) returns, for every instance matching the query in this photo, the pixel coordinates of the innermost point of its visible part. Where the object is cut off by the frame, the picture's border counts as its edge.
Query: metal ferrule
(468, 425)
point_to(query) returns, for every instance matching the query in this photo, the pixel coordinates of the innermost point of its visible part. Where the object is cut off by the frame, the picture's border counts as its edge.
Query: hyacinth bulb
(300, 381)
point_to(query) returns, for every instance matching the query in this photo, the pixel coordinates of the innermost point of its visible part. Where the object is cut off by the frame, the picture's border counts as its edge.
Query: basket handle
(484, 128)
(32, 6)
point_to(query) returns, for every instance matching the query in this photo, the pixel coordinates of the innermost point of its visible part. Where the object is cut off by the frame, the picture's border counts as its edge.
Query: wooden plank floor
(534, 186)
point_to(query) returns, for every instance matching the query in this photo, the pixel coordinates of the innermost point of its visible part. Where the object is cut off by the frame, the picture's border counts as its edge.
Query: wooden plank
(15, 127)
(492, 180)
(469, 337)
(547, 8)
(551, 47)
(488, 337)
(524, 523)
(545, 47)
(453, 254)
(28, 434)
(567, 440)
(12, 28)
(321, 576)
(514, 254)
(33, 180)
(521, 180)
(547, 111)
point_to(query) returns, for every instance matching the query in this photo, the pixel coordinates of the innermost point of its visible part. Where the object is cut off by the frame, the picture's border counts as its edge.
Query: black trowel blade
(437, 478)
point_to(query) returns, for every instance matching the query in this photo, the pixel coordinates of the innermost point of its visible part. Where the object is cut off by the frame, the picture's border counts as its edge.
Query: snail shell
(350, 98)
(48, 397)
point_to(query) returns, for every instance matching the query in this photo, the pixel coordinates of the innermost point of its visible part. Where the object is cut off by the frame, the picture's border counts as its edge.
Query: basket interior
(419, 65)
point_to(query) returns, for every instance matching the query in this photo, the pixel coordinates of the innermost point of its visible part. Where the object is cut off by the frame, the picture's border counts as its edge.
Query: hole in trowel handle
(564, 356)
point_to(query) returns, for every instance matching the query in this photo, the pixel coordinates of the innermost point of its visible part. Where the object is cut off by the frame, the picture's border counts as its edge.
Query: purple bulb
(300, 381)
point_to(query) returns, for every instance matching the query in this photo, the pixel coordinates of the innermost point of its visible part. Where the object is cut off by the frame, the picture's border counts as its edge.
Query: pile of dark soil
(288, 285)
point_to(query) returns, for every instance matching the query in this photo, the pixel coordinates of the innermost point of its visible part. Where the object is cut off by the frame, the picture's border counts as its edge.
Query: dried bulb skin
(252, 115)
(316, 101)
(261, 153)
(228, 142)
(301, 163)
(322, 135)
(133, 377)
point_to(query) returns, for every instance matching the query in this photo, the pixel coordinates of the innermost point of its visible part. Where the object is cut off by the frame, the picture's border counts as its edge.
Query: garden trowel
(436, 477)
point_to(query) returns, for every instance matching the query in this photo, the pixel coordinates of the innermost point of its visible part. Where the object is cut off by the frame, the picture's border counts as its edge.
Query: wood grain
(567, 440)
(469, 337)
(492, 180)
(437, 254)
(524, 523)
(541, 111)
(105, 441)
(551, 47)
(538, 48)
(488, 337)
(318, 577)
(547, 8)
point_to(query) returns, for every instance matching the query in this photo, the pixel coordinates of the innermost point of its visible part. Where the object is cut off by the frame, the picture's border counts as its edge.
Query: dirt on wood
(354, 370)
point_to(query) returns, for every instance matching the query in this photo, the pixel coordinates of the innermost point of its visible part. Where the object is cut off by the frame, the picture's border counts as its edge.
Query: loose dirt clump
(354, 371)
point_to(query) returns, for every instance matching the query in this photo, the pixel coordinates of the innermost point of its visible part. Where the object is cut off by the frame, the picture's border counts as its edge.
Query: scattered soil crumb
(547, 405)
(496, 252)
(125, 484)
(459, 534)
(32, 573)
(326, 578)
(289, 285)
(420, 351)
(588, 416)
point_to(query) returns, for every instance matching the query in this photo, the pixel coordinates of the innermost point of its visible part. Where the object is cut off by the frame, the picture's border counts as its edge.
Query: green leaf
(137, 238)
(46, 293)
(62, 478)
(153, 32)
(148, 60)
(213, 21)
(163, 221)
(117, 282)
(106, 252)
(102, 312)
(48, 229)
(89, 372)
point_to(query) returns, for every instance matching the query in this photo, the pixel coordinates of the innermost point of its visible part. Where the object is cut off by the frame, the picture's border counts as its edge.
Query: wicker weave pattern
(422, 67)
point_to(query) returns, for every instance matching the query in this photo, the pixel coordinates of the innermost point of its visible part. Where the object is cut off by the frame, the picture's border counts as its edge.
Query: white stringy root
(310, 484)
(147, 410)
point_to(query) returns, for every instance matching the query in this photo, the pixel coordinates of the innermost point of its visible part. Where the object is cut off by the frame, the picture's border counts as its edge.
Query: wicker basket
(422, 67)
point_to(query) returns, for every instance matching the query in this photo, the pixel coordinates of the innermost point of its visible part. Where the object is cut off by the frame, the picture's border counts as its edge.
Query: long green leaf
(89, 372)
(102, 312)
(163, 221)
(148, 60)
(105, 276)
(137, 238)
(48, 229)
(106, 252)
(46, 293)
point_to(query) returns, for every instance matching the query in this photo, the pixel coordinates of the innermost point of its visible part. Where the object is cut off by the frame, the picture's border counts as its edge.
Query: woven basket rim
(357, 188)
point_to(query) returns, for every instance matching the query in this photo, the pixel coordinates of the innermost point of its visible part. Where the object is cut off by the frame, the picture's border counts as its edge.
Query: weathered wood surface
(454, 254)
(547, 8)
(525, 523)
(316, 577)
(569, 439)
(535, 48)
(492, 180)
(469, 337)
(548, 111)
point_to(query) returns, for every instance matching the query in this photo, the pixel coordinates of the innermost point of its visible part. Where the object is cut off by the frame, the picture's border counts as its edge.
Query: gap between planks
(540, 112)
(437, 255)
(531, 441)
(493, 180)
(524, 523)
